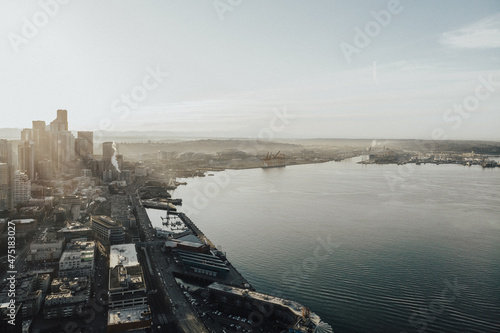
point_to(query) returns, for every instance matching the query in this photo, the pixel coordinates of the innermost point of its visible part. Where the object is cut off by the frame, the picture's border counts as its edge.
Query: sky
(426, 69)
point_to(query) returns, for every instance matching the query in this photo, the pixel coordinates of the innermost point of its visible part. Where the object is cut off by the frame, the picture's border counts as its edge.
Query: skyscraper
(6, 152)
(62, 143)
(107, 154)
(22, 188)
(26, 158)
(5, 188)
(84, 144)
(60, 123)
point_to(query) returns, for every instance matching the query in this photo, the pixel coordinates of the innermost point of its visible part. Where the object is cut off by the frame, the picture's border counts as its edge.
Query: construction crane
(273, 160)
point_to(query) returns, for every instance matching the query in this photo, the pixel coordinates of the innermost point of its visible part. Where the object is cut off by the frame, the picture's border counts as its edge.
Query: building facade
(22, 188)
(107, 230)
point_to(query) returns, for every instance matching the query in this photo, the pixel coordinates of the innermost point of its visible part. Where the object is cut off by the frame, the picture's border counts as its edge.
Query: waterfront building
(292, 315)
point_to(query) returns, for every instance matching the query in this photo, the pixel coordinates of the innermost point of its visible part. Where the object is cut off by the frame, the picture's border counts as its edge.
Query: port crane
(273, 160)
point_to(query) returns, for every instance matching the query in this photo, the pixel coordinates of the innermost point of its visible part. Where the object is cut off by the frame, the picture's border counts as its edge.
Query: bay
(369, 248)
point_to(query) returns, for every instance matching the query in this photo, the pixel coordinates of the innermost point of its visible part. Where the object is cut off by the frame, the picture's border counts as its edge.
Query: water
(405, 248)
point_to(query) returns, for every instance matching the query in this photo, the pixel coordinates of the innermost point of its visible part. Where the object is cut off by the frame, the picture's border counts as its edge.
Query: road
(186, 317)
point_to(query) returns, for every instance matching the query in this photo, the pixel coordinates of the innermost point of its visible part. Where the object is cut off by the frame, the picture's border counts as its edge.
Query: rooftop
(123, 254)
(126, 278)
(295, 307)
(129, 315)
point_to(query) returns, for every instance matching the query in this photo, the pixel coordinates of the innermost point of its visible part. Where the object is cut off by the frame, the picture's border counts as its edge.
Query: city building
(132, 318)
(77, 259)
(5, 187)
(31, 290)
(6, 152)
(25, 225)
(84, 144)
(74, 230)
(127, 287)
(203, 264)
(107, 230)
(68, 297)
(122, 212)
(45, 248)
(26, 158)
(22, 188)
(41, 139)
(86, 173)
(287, 312)
(60, 123)
(45, 169)
(10, 312)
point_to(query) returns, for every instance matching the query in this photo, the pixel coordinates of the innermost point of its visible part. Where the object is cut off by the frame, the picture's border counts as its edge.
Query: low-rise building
(286, 312)
(31, 290)
(25, 225)
(68, 297)
(78, 259)
(74, 230)
(45, 248)
(132, 318)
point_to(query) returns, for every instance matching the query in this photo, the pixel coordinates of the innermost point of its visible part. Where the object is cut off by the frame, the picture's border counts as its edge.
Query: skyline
(230, 71)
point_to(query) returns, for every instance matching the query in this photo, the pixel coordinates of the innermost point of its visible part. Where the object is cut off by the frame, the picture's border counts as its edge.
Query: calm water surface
(368, 248)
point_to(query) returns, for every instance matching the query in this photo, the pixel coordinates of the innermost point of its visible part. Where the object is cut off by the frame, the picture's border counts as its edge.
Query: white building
(78, 259)
(22, 188)
(126, 280)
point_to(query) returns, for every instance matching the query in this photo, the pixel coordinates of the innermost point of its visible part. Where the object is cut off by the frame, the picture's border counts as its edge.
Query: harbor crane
(273, 160)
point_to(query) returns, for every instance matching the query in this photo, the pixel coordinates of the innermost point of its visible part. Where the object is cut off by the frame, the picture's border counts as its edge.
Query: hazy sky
(425, 69)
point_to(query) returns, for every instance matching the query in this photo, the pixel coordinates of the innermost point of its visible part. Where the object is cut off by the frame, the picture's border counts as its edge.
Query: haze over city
(356, 69)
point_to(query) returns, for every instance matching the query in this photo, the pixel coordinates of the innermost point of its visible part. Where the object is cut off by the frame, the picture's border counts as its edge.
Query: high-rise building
(45, 169)
(65, 151)
(107, 150)
(6, 152)
(5, 187)
(22, 188)
(60, 123)
(26, 158)
(107, 154)
(27, 134)
(86, 143)
(41, 138)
